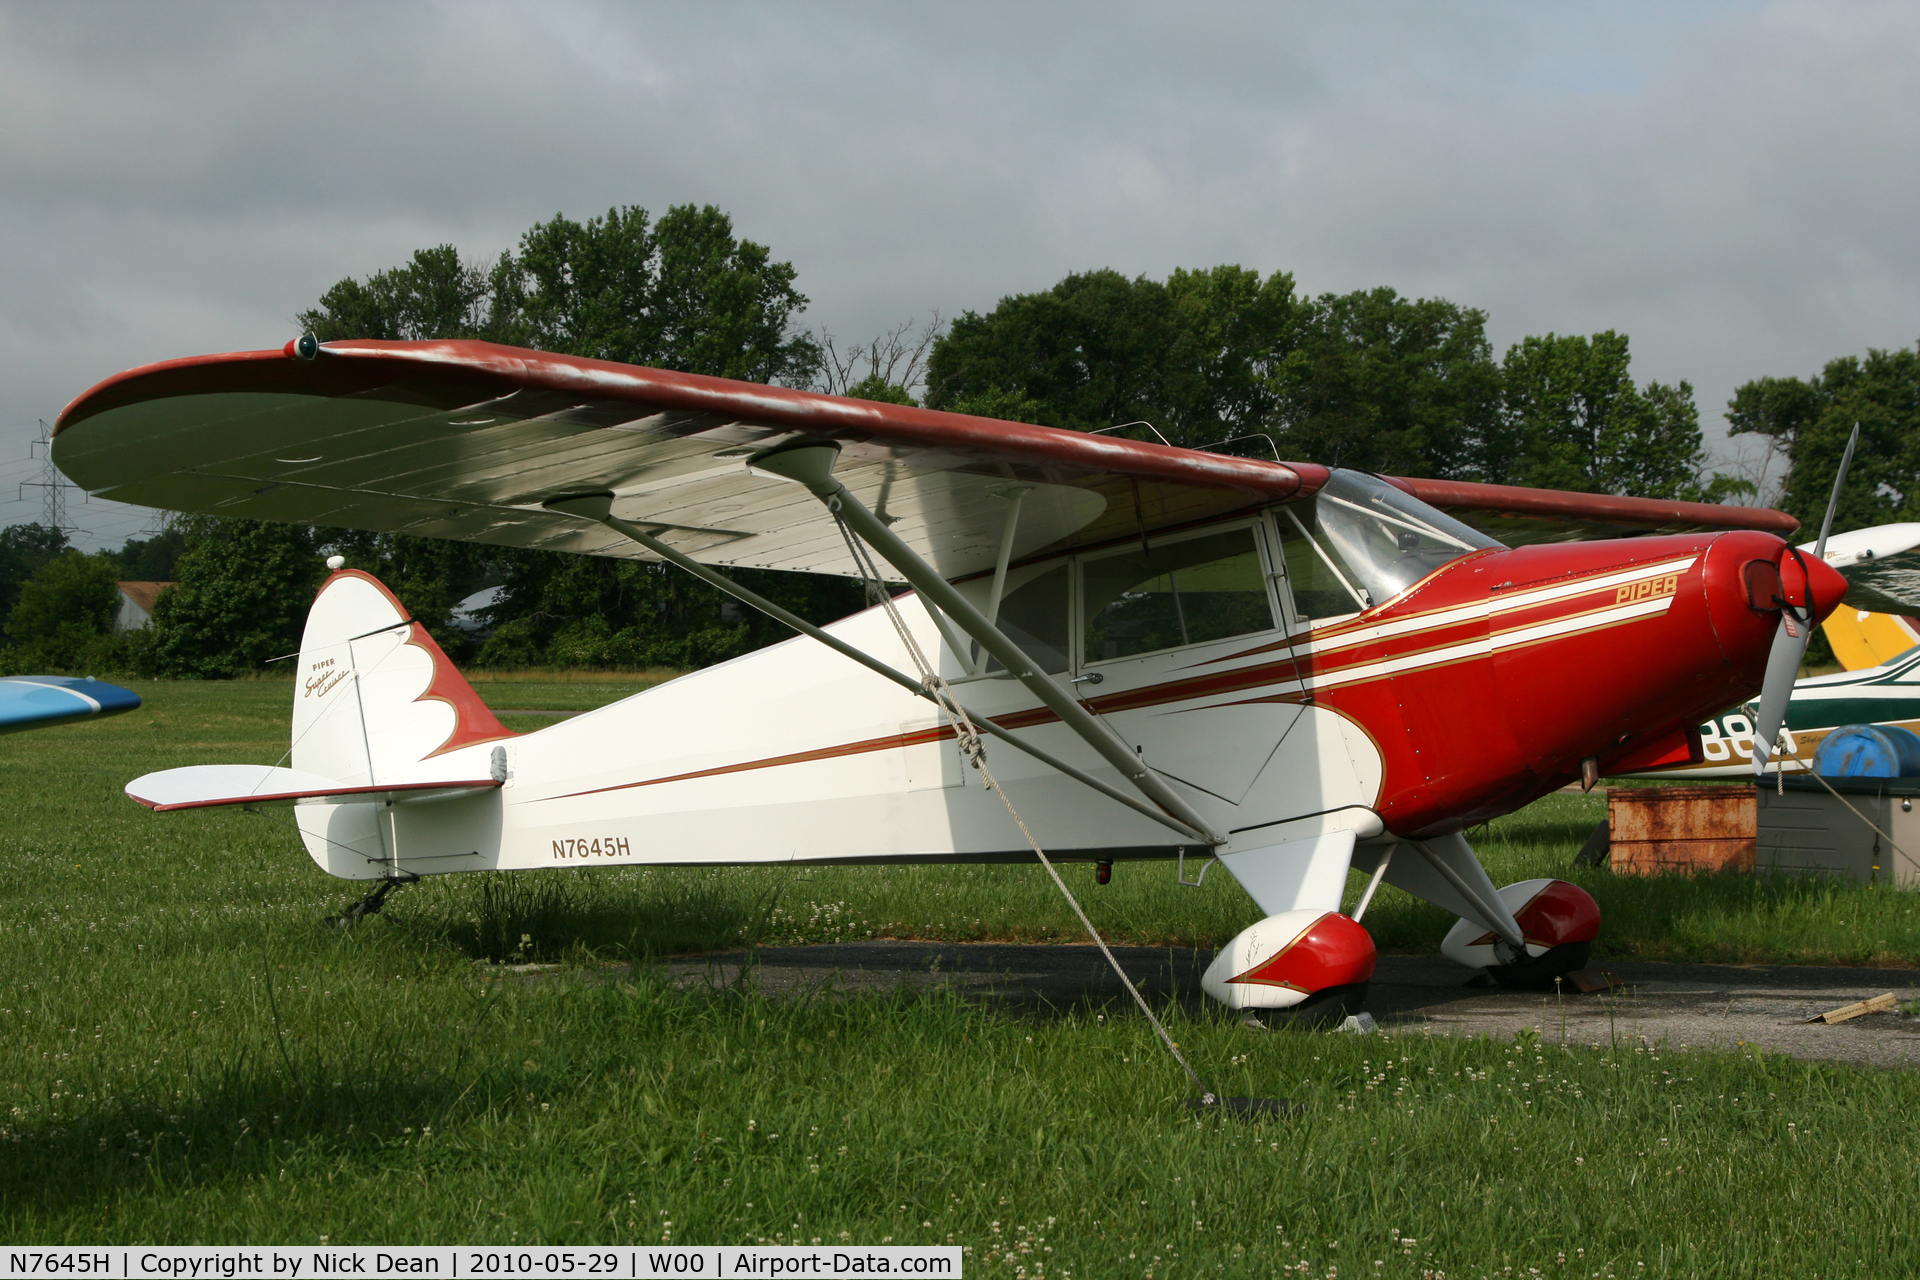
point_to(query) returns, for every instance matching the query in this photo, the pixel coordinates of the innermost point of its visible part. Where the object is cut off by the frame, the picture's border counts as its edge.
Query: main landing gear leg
(1524, 935)
(369, 905)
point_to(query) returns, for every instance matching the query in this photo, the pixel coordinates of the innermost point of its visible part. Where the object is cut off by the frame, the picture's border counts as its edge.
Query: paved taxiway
(1697, 1005)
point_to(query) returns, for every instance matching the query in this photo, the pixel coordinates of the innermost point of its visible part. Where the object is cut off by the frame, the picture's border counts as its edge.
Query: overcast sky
(1734, 185)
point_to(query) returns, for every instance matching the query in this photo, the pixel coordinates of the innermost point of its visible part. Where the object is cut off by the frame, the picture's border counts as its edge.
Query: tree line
(1221, 358)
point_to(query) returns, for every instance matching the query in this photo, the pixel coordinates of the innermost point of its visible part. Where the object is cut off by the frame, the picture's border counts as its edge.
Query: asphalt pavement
(1681, 1005)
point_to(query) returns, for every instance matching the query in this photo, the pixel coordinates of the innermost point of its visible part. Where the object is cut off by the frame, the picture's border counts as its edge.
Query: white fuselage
(796, 754)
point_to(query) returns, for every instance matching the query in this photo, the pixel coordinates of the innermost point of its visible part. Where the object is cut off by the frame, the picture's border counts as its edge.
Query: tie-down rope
(976, 754)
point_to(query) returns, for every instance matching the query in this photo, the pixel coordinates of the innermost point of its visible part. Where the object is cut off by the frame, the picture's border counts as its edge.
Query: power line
(106, 522)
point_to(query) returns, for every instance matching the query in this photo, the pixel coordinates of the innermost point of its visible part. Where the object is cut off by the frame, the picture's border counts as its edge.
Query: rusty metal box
(1808, 830)
(1695, 828)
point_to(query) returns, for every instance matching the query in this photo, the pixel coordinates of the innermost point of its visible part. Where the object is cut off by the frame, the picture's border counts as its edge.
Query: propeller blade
(1839, 483)
(1790, 641)
(1783, 667)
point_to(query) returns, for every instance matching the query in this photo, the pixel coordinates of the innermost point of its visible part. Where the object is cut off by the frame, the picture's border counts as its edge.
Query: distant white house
(136, 604)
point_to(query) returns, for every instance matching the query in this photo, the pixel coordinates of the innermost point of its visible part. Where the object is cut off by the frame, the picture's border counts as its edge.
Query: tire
(1327, 1008)
(1538, 973)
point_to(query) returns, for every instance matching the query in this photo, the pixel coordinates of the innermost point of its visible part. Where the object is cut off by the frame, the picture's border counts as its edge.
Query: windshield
(1374, 540)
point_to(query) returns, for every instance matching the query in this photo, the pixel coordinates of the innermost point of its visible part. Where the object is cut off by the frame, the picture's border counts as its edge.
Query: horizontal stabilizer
(206, 786)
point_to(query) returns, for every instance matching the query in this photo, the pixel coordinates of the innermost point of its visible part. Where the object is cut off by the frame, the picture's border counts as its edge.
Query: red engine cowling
(1610, 651)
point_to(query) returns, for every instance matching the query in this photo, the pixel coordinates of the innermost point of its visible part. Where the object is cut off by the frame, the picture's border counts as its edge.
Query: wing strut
(812, 465)
(596, 507)
(1455, 848)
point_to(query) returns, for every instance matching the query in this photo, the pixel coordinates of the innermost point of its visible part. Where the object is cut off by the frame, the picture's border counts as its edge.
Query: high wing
(468, 440)
(1519, 516)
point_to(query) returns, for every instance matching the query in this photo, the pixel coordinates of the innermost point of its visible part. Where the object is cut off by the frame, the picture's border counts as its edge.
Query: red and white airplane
(1297, 670)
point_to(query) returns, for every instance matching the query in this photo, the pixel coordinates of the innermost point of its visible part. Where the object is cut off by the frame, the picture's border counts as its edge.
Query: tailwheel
(369, 905)
(1558, 921)
(1299, 967)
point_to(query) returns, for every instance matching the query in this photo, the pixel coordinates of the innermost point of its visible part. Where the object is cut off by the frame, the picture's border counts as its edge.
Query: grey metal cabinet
(1806, 829)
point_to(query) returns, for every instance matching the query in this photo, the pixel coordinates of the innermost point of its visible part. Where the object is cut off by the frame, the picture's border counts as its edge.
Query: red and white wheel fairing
(1286, 959)
(1551, 913)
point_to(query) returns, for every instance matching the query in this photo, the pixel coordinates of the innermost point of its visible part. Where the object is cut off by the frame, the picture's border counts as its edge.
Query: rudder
(376, 696)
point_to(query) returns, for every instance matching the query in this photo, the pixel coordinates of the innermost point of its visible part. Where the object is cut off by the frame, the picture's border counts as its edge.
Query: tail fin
(375, 694)
(1861, 639)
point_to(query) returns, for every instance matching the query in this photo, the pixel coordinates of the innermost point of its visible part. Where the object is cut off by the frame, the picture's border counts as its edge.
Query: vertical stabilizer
(376, 697)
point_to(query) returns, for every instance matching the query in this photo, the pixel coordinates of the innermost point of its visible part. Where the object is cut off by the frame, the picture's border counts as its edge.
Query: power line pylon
(51, 484)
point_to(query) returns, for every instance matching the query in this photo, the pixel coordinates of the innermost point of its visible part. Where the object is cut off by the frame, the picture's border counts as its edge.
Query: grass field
(186, 1054)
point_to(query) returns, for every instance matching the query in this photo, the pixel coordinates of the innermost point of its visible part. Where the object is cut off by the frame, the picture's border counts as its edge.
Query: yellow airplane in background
(1885, 561)
(1861, 639)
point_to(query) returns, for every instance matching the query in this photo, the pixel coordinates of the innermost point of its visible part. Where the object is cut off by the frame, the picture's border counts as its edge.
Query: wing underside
(467, 440)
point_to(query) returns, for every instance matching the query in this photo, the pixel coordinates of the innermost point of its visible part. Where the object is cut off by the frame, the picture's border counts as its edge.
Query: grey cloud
(1731, 185)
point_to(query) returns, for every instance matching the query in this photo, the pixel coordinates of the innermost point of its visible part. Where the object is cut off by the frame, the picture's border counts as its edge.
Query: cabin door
(1170, 636)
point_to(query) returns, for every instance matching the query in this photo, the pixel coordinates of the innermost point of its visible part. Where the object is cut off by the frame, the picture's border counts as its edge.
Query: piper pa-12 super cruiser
(1167, 653)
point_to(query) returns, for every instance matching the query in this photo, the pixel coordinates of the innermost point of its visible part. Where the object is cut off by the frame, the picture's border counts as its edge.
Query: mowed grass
(187, 1054)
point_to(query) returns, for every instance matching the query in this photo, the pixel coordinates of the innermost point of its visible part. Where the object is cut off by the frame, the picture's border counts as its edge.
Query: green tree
(1191, 355)
(1385, 383)
(1234, 332)
(241, 596)
(435, 295)
(1807, 421)
(24, 550)
(876, 388)
(599, 612)
(150, 559)
(1090, 351)
(1576, 421)
(1367, 379)
(64, 616)
(682, 292)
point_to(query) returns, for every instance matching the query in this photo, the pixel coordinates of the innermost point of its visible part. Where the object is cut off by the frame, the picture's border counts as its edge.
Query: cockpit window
(1174, 594)
(1320, 587)
(1034, 616)
(1360, 541)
